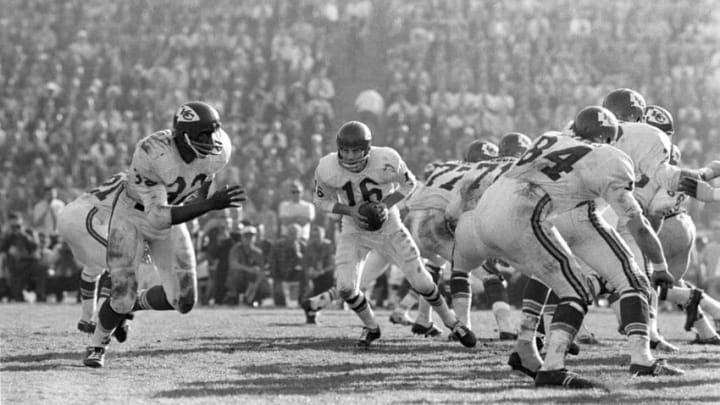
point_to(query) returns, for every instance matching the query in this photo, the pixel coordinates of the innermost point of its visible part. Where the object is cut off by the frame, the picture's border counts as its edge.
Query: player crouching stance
(167, 168)
(363, 183)
(559, 177)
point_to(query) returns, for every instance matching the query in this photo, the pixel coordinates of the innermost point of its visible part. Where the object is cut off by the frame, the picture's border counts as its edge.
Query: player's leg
(423, 324)
(657, 341)
(174, 259)
(677, 236)
(525, 356)
(401, 248)
(84, 228)
(350, 253)
(545, 255)
(125, 250)
(605, 252)
(496, 292)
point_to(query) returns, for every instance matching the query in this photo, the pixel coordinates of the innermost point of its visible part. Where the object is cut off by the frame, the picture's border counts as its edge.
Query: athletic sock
(363, 309)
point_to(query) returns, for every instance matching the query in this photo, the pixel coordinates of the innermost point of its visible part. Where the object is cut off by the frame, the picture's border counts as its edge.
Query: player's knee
(346, 292)
(123, 304)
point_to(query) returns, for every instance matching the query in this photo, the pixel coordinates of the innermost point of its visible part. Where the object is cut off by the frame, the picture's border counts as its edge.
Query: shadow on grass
(340, 379)
(229, 344)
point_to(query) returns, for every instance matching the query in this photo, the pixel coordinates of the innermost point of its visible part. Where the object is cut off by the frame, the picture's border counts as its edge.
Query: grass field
(260, 356)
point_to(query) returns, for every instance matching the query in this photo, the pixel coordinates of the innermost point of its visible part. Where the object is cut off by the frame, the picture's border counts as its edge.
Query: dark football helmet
(659, 118)
(353, 136)
(596, 124)
(513, 144)
(197, 125)
(627, 104)
(480, 150)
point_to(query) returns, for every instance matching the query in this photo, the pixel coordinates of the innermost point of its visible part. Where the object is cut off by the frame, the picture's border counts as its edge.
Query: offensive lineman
(167, 168)
(558, 177)
(649, 148)
(357, 176)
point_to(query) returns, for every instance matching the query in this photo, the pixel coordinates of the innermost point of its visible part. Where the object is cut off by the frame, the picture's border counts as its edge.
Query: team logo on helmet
(636, 101)
(187, 114)
(653, 115)
(604, 120)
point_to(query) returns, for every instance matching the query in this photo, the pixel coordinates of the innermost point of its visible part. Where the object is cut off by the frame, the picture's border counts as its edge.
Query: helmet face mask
(353, 144)
(197, 125)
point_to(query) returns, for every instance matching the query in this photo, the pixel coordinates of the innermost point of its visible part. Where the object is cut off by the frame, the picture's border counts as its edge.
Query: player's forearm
(341, 209)
(393, 199)
(183, 213)
(646, 239)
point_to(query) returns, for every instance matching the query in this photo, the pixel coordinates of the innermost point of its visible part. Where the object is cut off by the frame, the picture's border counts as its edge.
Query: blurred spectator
(296, 211)
(318, 263)
(63, 270)
(246, 269)
(46, 211)
(20, 246)
(286, 266)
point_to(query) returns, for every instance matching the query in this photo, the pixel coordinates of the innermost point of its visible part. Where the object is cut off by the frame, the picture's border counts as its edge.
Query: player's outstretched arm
(229, 196)
(699, 190)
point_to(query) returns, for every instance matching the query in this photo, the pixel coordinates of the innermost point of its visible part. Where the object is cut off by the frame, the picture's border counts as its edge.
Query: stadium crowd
(86, 79)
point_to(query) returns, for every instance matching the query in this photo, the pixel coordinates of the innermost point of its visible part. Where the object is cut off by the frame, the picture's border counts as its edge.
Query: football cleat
(564, 378)
(515, 362)
(713, 340)
(508, 336)
(367, 336)
(464, 334)
(400, 318)
(658, 368)
(94, 357)
(691, 309)
(310, 314)
(86, 327)
(663, 345)
(121, 332)
(430, 331)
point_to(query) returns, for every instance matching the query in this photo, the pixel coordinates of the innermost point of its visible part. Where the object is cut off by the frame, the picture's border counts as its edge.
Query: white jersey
(472, 185)
(649, 148)
(159, 176)
(664, 202)
(572, 170)
(384, 173)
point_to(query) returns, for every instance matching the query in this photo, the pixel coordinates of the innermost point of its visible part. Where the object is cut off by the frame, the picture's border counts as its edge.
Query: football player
(555, 181)
(434, 209)
(167, 168)
(87, 238)
(349, 181)
(677, 235)
(649, 149)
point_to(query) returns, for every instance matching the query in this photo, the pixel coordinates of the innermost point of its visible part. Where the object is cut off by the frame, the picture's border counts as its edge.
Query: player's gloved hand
(697, 189)
(661, 277)
(710, 171)
(228, 196)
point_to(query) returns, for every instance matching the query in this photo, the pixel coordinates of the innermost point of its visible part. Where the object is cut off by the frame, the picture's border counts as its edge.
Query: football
(376, 214)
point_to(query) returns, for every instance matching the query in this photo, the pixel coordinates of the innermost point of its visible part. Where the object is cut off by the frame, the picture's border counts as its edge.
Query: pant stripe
(91, 230)
(616, 246)
(554, 251)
